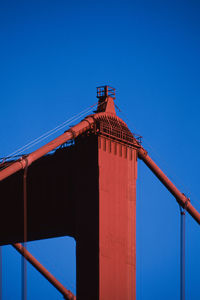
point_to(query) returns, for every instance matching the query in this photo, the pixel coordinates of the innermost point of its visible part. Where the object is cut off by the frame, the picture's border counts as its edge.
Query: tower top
(106, 96)
(105, 91)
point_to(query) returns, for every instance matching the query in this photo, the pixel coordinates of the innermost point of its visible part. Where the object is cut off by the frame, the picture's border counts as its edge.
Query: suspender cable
(182, 256)
(1, 274)
(23, 260)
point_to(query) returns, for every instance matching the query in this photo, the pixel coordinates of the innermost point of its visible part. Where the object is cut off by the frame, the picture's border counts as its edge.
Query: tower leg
(106, 247)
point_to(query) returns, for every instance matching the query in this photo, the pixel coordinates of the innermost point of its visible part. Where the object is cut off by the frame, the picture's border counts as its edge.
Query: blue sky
(53, 55)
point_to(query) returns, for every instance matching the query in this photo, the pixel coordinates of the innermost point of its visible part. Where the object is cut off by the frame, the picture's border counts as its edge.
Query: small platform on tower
(106, 96)
(105, 91)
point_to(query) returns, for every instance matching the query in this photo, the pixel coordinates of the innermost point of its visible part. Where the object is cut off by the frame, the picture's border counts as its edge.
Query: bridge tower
(106, 246)
(86, 190)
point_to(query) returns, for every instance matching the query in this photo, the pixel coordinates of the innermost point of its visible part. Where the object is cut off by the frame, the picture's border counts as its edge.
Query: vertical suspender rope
(1, 274)
(23, 259)
(1, 267)
(182, 256)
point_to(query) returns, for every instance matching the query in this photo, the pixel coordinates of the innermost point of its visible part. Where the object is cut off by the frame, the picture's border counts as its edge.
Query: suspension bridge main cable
(162, 161)
(48, 133)
(44, 136)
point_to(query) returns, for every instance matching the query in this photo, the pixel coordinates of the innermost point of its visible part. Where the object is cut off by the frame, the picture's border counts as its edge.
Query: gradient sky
(53, 55)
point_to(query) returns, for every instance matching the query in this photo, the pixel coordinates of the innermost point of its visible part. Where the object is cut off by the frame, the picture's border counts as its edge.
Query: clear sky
(53, 54)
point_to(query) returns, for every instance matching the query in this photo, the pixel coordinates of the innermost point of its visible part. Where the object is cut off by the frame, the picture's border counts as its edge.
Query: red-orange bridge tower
(86, 190)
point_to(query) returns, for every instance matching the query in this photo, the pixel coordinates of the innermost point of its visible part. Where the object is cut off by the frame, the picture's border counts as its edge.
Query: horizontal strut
(35, 263)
